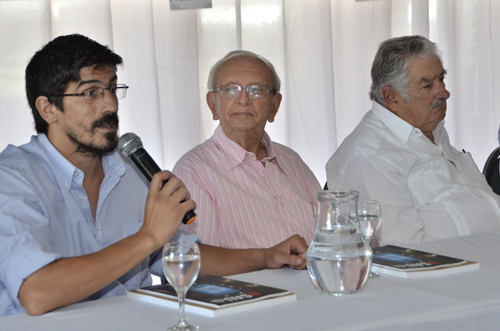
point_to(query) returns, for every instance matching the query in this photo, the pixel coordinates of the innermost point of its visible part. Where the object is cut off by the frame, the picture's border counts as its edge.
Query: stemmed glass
(370, 217)
(181, 265)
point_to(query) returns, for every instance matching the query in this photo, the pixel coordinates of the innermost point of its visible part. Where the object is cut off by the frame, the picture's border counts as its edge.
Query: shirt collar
(237, 154)
(438, 133)
(65, 170)
(400, 127)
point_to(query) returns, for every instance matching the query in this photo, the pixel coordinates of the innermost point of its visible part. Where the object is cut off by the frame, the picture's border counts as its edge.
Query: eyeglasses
(119, 91)
(232, 91)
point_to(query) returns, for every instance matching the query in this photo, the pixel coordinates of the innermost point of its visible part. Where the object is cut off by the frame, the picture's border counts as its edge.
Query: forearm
(220, 261)
(69, 280)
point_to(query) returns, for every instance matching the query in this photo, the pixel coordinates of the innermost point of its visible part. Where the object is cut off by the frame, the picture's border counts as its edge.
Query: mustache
(438, 104)
(106, 119)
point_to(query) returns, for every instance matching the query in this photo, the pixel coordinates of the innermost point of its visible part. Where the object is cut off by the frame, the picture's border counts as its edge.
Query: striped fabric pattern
(242, 203)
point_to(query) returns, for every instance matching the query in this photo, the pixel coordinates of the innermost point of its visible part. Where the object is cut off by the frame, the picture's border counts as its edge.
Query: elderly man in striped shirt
(250, 192)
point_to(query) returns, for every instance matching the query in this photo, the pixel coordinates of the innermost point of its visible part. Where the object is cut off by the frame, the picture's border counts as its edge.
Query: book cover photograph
(410, 263)
(213, 295)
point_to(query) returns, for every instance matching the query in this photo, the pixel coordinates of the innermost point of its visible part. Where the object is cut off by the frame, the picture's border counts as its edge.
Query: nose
(110, 102)
(443, 93)
(243, 98)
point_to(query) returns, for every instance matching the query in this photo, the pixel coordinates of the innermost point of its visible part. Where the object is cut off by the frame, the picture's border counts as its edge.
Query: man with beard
(400, 153)
(78, 222)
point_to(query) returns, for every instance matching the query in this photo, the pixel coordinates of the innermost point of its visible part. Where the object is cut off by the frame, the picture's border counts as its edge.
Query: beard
(92, 149)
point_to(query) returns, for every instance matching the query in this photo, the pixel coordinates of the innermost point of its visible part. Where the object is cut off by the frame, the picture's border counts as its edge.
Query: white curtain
(322, 50)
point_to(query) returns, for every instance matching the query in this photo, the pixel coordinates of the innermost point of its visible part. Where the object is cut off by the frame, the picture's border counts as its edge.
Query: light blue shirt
(45, 215)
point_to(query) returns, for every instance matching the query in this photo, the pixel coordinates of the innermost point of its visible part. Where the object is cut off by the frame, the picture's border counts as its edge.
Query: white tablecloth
(465, 301)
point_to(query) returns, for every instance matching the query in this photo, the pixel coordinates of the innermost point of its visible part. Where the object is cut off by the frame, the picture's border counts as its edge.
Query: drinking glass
(181, 265)
(370, 216)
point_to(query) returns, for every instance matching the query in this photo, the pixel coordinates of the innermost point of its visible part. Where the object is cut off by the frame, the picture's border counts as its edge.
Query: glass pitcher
(338, 259)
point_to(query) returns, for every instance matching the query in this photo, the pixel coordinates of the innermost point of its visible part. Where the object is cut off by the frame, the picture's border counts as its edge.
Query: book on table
(215, 296)
(409, 263)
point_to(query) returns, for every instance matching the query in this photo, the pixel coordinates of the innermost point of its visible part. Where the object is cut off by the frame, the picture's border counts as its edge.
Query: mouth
(108, 126)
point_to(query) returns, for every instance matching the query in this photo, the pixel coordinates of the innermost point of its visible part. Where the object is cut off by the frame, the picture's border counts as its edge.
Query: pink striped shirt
(244, 204)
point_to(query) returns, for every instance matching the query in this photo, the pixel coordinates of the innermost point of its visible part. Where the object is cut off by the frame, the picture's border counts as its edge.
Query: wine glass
(370, 216)
(181, 264)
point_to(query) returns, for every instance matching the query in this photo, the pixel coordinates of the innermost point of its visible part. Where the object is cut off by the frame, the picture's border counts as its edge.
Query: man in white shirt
(400, 153)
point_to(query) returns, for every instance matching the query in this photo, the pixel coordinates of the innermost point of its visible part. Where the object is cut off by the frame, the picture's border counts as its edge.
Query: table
(465, 301)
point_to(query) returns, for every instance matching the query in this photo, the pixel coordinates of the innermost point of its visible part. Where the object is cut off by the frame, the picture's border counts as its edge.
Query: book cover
(409, 263)
(215, 296)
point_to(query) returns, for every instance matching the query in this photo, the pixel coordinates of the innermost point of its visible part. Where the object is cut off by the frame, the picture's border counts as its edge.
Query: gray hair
(214, 71)
(390, 66)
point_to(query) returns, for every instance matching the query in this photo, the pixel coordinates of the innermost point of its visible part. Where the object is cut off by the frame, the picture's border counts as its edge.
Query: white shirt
(427, 191)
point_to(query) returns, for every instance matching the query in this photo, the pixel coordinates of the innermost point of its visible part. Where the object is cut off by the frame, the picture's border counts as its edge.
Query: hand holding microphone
(131, 146)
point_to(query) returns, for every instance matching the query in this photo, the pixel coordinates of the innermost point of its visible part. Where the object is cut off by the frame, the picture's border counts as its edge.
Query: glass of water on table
(370, 217)
(181, 265)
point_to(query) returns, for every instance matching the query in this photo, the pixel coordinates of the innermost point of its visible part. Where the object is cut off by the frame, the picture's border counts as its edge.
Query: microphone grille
(129, 143)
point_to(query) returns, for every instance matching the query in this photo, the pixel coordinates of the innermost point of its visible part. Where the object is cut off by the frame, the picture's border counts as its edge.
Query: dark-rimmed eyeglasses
(119, 91)
(232, 91)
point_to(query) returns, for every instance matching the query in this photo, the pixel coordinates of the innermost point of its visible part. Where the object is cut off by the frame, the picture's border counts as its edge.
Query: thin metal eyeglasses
(119, 91)
(233, 91)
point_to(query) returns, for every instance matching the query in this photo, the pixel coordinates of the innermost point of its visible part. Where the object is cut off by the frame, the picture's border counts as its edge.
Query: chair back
(491, 170)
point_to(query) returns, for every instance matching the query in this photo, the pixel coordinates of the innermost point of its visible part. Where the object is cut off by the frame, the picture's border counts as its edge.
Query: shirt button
(76, 173)
(282, 203)
(82, 197)
(269, 178)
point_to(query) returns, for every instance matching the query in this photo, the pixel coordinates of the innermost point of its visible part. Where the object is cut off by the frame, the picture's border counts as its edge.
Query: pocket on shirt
(130, 229)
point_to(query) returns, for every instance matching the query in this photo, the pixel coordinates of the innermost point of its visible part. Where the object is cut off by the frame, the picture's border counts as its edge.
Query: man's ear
(391, 98)
(276, 105)
(47, 110)
(211, 105)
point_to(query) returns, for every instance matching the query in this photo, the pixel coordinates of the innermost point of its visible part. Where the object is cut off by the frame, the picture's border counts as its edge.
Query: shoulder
(198, 155)
(200, 165)
(30, 155)
(25, 172)
(284, 151)
(289, 159)
(369, 132)
(292, 162)
(371, 140)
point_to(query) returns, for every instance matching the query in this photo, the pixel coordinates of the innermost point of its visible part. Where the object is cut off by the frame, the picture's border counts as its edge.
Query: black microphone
(131, 146)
